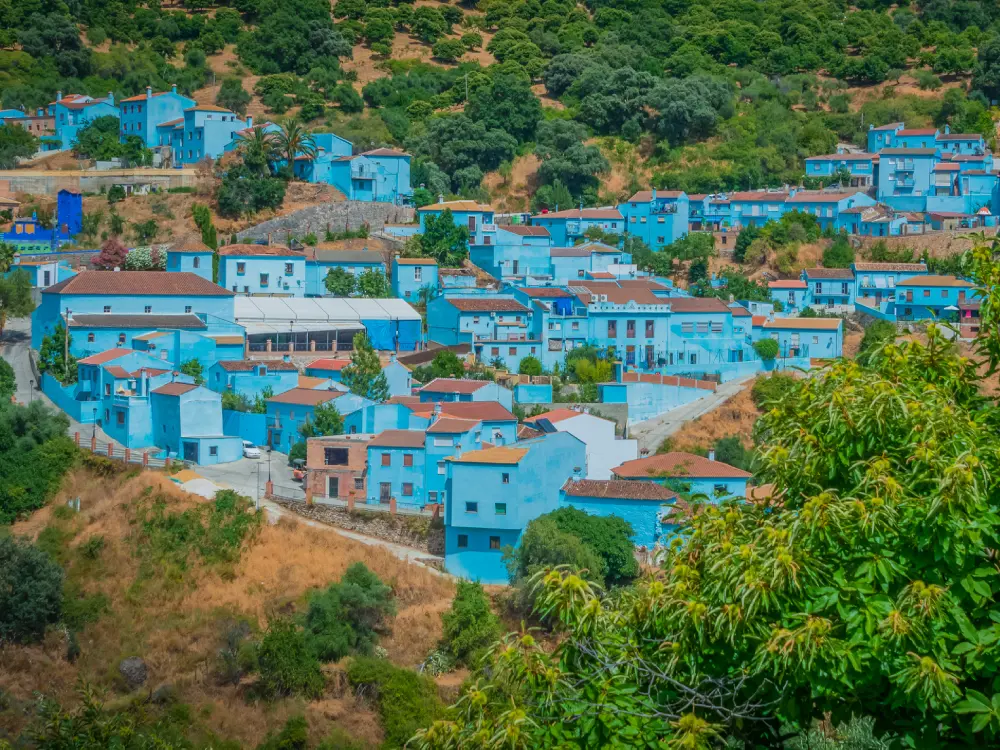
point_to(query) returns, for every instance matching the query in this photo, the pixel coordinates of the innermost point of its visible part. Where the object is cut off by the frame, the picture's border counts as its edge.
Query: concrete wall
(50, 182)
(336, 216)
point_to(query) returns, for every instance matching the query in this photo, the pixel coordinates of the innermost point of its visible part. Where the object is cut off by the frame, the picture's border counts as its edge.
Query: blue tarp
(382, 333)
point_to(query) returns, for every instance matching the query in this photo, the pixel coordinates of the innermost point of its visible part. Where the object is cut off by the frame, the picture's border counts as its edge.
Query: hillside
(143, 587)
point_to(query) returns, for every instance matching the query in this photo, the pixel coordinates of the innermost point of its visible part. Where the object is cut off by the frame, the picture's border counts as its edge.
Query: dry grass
(177, 625)
(735, 417)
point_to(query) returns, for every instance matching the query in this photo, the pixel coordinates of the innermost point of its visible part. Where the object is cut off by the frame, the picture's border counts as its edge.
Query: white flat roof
(266, 314)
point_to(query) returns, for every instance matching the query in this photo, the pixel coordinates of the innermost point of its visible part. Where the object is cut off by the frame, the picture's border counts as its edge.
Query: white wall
(604, 450)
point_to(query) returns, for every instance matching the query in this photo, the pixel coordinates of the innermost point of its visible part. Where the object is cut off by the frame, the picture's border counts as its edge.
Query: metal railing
(109, 449)
(393, 507)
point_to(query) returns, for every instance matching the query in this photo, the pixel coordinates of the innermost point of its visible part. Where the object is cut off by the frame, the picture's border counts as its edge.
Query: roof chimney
(149, 92)
(654, 193)
(173, 88)
(440, 197)
(111, 97)
(249, 121)
(711, 454)
(59, 96)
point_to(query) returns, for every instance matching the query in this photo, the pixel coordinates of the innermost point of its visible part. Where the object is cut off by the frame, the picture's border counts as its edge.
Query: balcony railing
(905, 182)
(664, 208)
(489, 227)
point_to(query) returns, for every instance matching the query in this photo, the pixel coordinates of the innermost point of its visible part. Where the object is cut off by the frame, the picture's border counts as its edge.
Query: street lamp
(269, 463)
(31, 391)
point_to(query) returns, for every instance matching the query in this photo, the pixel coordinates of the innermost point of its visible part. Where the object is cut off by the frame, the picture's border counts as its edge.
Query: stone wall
(50, 182)
(938, 244)
(419, 532)
(337, 217)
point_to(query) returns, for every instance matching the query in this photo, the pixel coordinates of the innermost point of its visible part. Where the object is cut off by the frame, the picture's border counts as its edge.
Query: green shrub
(767, 349)
(31, 595)
(349, 616)
(406, 701)
(286, 663)
(530, 366)
(8, 383)
(877, 335)
(470, 627)
(545, 545)
(771, 390)
(293, 736)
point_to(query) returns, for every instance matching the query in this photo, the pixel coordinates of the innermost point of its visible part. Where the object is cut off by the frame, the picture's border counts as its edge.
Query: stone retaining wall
(418, 532)
(337, 217)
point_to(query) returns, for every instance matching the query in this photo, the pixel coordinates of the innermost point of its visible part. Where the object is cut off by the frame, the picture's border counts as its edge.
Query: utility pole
(66, 345)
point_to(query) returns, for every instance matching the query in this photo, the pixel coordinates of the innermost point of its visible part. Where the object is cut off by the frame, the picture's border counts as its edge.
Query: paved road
(654, 431)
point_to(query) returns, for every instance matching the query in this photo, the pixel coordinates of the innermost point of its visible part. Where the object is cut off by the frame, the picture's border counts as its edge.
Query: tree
(444, 240)
(445, 364)
(507, 104)
(244, 193)
(16, 144)
(349, 616)
(767, 349)
(608, 536)
(15, 297)
(565, 159)
(449, 50)
(287, 665)
(91, 224)
(339, 283)
(193, 368)
(877, 335)
(51, 357)
(364, 376)
(470, 627)
(530, 366)
(744, 239)
(374, 284)
(545, 546)
(839, 254)
(258, 150)
(100, 139)
(8, 381)
(134, 152)
(30, 591)
(116, 194)
(293, 139)
(986, 76)
(233, 96)
(144, 231)
(326, 420)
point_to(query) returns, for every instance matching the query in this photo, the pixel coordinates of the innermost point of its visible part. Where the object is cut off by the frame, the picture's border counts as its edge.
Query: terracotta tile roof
(677, 464)
(150, 336)
(248, 365)
(943, 167)
(569, 252)
(821, 196)
(304, 397)
(697, 305)
(842, 157)
(917, 267)
(829, 273)
(805, 324)
(174, 389)
(384, 152)
(452, 426)
(890, 126)
(969, 157)
(757, 321)
(527, 433)
(484, 411)
(190, 245)
(101, 357)
(600, 275)
(458, 206)
(117, 371)
(619, 293)
(908, 152)
(556, 415)
(645, 196)
(328, 364)
(138, 283)
(141, 97)
(545, 292)
(324, 255)
(411, 402)
(759, 196)
(917, 131)
(171, 123)
(602, 249)
(223, 339)
(209, 108)
(934, 280)
(151, 371)
(486, 304)
(306, 381)
(416, 261)
(786, 284)
(398, 439)
(959, 137)
(504, 455)
(114, 320)
(739, 311)
(454, 385)
(525, 230)
(661, 379)
(618, 489)
(275, 250)
(586, 213)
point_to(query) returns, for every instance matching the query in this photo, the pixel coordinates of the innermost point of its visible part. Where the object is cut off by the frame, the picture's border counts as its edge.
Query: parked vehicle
(250, 450)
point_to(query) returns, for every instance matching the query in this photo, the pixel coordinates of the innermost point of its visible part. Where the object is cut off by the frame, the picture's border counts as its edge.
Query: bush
(293, 736)
(406, 701)
(530, 366)
(608, 536)
(8, 382)
(286, 663)
(767, 349)
(840, 254)
(771, 390)
(116, 194)
(30, 591)
(449, 50)
(470, 627)
(348, 616)
(545, 545)
(877, 335)
(730, 450)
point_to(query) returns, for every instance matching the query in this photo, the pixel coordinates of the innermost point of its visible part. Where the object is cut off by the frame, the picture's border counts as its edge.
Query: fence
(394, 508)
(146, 459)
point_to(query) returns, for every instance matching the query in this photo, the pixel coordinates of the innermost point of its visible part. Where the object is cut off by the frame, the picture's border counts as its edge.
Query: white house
(604, 449)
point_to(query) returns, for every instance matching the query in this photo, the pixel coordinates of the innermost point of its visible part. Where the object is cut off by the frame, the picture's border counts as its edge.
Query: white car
(250, 450)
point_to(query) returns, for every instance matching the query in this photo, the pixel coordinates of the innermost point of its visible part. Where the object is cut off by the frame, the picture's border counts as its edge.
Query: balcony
(574, 227)
(664, 208)
(489, 227)
(362, 174)
(904, 166)
(905, 182)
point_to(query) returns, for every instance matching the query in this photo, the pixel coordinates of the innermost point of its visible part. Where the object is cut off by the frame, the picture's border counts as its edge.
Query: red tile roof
(106, 356)
(454, 385)
(209, 108)
(486, 304)
(384, 152)
(677, 464)
(138, 283)
(786, 284)
(821, 196)
(620, 292)
(174, 389)
(944, 167)
(304, 397)
(545, 292)
(398, 439)
(829, 273)
(275, 250)
(452, 425)
(645, 196)
(485, 411)
(759, 196)
(842, 157)
(328, 364)
(697, 305)
(618, 489)
(804, 324)
(960, 137)
(248, 365)
(141, 97)
(934, 280)
(586, 213)
(896, 267)
(525, 230)
(556, 415)
(908, 151)
(917, 131)
(416, 261)
(117, 371)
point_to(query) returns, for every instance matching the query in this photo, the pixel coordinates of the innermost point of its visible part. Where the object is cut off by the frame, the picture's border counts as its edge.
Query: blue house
(643, 504)
(827, 205)
(268, 270)
(566, 227)
(883, 136)
(477, 217)
(859, 166)
(462, 320)
(203, 133)
(191, 256)
(141, 114)
(657, 218)
(932, 296)
(414, 279)
(493, 493)
(830, 288)
(130, 293)
(876, 282)
(380, 175)
(329, 148)
(804, 338)
(688, 474)
(326, 257)
(27, 235)
(649, 394)
(43, 273)
(756, 207)
(589, 260)
(187, 424)
(519, 250)
(451, 389)
(791, 293)
(250, 377)
(288, 412)
(74, 112)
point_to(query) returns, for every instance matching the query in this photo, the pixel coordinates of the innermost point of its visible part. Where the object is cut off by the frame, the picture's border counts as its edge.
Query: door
(333, 487)
(191, 452)
(47, 278)
(472, 225)
(515, 268)
(909, 295)
(384, 490)
(630, 355)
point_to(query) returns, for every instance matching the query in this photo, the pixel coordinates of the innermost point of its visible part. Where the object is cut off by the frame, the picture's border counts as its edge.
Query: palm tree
(294, 139)
(258, 149)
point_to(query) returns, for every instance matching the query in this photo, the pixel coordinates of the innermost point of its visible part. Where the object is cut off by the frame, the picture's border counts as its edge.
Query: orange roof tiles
(615, 489)
(805, 324)
(398, 439)
(304, 397)
(106, 356)
(174, 389)
(138, 283)
(504, 455)
(556, 415)
(934, 280)
(786, 284)
(416, 261)
(678, 464)
(452, 425)
(454, 385)
(326, 363)
(275, 250)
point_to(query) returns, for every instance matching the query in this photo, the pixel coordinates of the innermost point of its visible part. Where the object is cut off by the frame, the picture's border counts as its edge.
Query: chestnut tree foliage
(867, 586)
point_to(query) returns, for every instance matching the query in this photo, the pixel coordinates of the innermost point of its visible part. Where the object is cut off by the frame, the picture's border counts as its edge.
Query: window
(264, 279)
(289, 269)
(843, 288)
(241, 268)
(441, 467)
(359, 483)
(472, 507)
(944, 292)
(90, 338)
(927, 292)
(407, 459)
(463, 541)
(432, 497)
(650, 327)
(418, 274)
(642, 219)
(495, 351)
(196, 263)
(612, 329)
(494, 542)
(121, 338)
(815, 339)
(703, 327)
(213, 450)
(716, 326)
(334, 456)
(505, 478)
(147, 309)
(387, 459)
(121, 417)
(630, 329)
(475, 318)
(107, 308)
(500, 509)
(187, 308)
(720, 489)
(687, 327)
(512, 351)
(819, 287)
(107, 389)
(407, 489)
